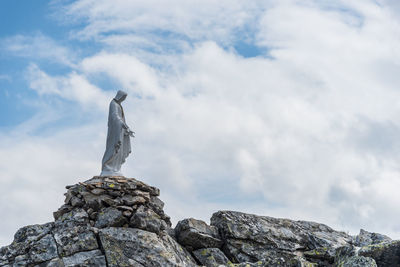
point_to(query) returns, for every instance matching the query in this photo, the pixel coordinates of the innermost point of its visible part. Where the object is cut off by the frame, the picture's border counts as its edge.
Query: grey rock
(156, 204)
(357, 261)
(88, 258)
(109, 217)
(131, 200)
(43, 250)
(210, 257)
(32, 244)
(147, 219)
(76, 217)
(76, 202)
(278, 262)
(74, 239)
(385, 254)
(195, 234)
(365, 238)
(253, 238)
(135, 247)
(32, 232)
(97, 191)
(57, 262)
(61, 211)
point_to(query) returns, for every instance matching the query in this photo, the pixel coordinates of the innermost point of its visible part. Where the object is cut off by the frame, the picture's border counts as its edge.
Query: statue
(118, 145)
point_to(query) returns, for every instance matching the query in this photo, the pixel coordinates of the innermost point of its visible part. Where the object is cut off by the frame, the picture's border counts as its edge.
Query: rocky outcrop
(117, 221)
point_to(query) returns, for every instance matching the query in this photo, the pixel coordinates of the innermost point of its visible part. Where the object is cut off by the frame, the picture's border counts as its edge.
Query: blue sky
(282, 108)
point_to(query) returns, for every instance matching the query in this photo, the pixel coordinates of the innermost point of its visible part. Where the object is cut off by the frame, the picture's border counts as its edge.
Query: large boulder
(386, 254)
(365, 238)
(195, 234)
(32, 245)
(135, 247)
(251, 238)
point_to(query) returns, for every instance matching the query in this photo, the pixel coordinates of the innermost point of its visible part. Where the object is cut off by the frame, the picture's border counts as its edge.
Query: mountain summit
(118, 221)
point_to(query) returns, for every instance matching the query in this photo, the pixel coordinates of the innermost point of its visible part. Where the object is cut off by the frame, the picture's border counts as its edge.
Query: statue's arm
(114, 110)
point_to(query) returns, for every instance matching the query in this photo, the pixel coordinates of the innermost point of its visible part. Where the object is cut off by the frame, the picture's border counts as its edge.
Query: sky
(281, 108)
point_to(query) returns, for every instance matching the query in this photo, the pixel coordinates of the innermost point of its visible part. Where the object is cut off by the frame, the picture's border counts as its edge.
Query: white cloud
(73, 87)
(38, 46)
(173, 20)
(307, 134)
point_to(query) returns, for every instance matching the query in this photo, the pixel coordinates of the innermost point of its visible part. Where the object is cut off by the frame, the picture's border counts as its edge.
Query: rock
(251, 238)
(76, 217)
(147, 219)
(57, 262)
(210, 257)
(32, 244)
(74, 239)
(135, 247)
(277, 262)
(32, 232)
(109, 217)
(43, 250)
(127, 213)
(321, 255)
(142, 194)
(357, 261)
(88, 258)
(385, 254)
(156, 204)
(87, 232)
(97, 191)
(196, 234)
(76, 202)
(365, 238)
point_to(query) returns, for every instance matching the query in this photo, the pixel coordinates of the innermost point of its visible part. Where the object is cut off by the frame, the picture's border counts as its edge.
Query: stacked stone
(117, 202)
(105, 221)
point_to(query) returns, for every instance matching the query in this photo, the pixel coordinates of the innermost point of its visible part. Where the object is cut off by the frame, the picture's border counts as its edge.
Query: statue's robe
(118, 145)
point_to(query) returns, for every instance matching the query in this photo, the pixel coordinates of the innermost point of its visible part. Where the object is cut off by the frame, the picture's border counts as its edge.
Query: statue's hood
(120, 95)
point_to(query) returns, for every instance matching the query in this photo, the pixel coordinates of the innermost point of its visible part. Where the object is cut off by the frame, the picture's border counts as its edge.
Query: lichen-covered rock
(75, 217)
(135, 247)
(321, 255)
(43, 250)
(146, 219)
(365, 238)
(117, 221)
(385, 254)
(253, 238)
(87, 258)
(195, 234)
(357, 261)
(74, 239)
(210, 257)
(32, 244)
(57, 262)
(277, 262)
(110, 217)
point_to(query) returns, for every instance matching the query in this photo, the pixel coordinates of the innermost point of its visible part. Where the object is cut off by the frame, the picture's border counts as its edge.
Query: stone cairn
(117, 202)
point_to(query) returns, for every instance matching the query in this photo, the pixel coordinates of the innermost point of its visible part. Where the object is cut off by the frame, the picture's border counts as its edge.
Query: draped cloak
(118, 145)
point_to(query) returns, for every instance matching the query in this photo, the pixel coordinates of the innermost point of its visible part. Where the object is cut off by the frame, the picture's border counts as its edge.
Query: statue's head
(121, 95)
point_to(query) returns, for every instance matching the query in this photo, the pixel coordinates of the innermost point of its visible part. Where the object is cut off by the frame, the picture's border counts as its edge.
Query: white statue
(118, 144)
